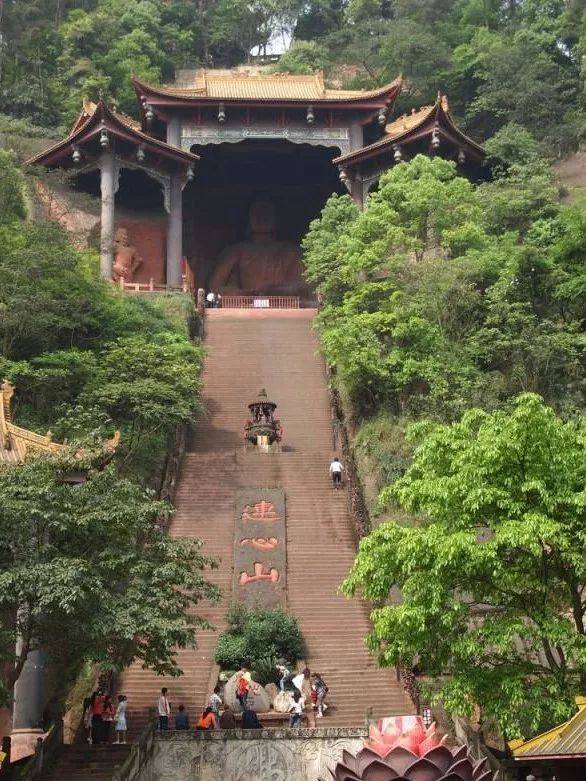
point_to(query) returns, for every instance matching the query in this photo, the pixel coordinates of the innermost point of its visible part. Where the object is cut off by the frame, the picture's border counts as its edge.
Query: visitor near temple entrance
(164, 710)
(243, 685)
(296, 709)
(227, 719)
(207, 720)
(215, 701)
(336, 470)
(97, 708)
(250, 720)
(285, 674)
(210, 300)
(319, 691)
(181, 718)
(121, 726)
(107, 717)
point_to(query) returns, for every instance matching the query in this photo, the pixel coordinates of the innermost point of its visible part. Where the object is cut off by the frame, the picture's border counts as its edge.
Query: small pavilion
(228, 168)
(556, 755)
(16, 442)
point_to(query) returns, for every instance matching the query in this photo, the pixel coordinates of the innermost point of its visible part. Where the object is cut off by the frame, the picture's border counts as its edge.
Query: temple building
(556, 755)
(16, 442)
(225, 170)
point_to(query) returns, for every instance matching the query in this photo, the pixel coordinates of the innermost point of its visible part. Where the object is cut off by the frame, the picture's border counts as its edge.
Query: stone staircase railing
(45, 754)
(140, 753)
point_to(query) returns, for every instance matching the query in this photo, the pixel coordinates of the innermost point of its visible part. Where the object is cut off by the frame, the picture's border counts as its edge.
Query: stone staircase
(87, 763)
(277, 350)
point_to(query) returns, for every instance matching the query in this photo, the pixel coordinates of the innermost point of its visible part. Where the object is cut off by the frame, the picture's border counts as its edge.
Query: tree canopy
(491, 577)
(90, 572)
(519, 61)
(443, 294)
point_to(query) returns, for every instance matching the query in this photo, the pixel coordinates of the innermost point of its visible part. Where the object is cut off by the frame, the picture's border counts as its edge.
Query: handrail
(260, 302)
(45, 752)
(140, 753)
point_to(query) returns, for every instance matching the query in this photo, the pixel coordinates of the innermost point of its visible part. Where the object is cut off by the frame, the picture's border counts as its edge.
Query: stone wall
(250, 755)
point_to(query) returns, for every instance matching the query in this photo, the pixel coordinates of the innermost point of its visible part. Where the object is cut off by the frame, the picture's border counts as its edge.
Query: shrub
(258, 638)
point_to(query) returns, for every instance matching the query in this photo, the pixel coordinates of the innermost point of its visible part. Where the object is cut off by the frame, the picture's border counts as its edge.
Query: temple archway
(296, 179)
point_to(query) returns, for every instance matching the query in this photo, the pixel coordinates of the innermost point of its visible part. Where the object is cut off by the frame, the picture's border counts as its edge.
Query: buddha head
(262, 220)
(122, 238)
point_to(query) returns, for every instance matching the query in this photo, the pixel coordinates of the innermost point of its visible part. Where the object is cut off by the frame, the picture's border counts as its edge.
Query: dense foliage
(90, 572)
(493, 605)
(519, 61)
(444, 295)
(258, 639)
(85, 359)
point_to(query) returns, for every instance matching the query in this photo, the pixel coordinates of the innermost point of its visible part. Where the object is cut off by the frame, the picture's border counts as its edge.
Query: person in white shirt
(296, 709)
(211, 300)
(336, 470)
(164, 709)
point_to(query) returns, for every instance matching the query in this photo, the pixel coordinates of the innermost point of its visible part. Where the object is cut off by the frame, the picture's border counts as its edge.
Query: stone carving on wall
(260, 559)
(315, 136)
(261, 264)
(247, 755)
(126, 258)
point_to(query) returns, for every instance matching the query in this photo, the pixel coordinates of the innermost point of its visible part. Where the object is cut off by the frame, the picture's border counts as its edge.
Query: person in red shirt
(97, 708)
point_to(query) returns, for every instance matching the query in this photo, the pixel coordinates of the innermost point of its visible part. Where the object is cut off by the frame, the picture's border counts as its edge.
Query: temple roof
(565, 740)
(410, 127)
(214, 85)
(16, 442)
(95, 117)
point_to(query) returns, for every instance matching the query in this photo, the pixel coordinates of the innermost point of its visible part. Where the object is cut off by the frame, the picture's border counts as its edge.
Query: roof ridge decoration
(402, 127)
(226, 85)
(16, 442)
(100, 114)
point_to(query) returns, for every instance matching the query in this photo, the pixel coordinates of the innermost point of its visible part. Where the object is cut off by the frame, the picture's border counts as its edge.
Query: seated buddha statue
(262, 264)
(126, 258)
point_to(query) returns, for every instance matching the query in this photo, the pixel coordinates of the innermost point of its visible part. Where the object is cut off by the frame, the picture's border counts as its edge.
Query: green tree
(492, 606)
(91, 572)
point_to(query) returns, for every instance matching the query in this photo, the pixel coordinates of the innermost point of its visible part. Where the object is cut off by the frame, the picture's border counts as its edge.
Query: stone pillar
(29, 702)
(356, 136)
(174, 132)
(175, 232)
(357, 192)
(108, 190)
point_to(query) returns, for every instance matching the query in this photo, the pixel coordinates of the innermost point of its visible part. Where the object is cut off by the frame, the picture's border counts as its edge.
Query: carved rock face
(402, 749)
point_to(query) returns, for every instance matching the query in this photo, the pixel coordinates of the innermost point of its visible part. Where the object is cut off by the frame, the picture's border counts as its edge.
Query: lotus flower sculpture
(403, 749)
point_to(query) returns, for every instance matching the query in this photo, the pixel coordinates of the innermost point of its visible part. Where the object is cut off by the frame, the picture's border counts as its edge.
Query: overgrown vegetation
(493, 605)
(445, 298)
(444, 295)
(516, 61)
(85, 359)
(88, 571)
(258, 639)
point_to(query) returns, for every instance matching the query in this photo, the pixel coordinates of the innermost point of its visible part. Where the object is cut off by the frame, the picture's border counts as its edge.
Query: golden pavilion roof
(246, 85)
(97, 116)
(413, 126)
(16, 442)
(417, 117)
(565, 740)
